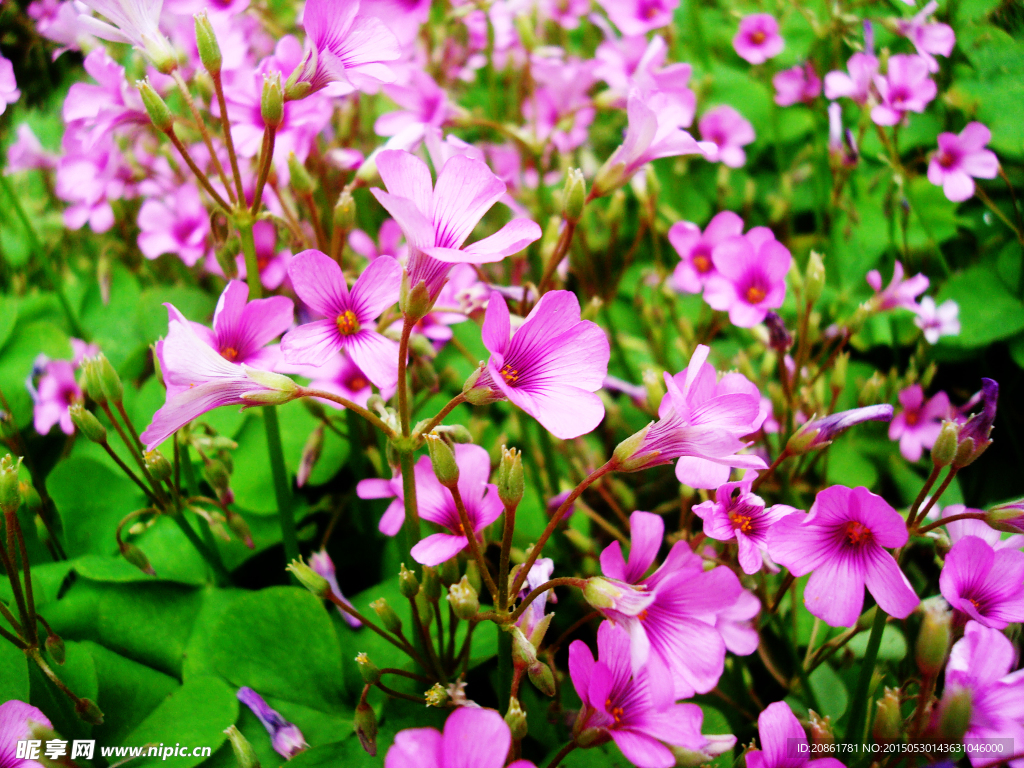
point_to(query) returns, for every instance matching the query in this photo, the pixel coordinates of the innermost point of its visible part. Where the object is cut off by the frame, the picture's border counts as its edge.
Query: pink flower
(701, 421)
(389, 237)
(799, 83)
(472, 738)
(638, 17)
(560, 111)
(534, 614)
(350, 47)
(273, 264)
(918, 424)
(340, 376)
(928, 39)
(178, 224)
(856, 85)
(899, 292)
(981, 665)
(906, 87)
(739, 514)
(424, 103)
(437, 219)
(671, 614)
(242, 329)
(566, 13)
(9, 92)
(88, 178)
(984, 583)
(136, 22)
(378, 488)
(735, 624)
(937, 321)
(55, 393)
(729, 132)
(94, 110)
(322, 564)
(26, 153)
(758, 38)
(783, 742)
(840, 543)
(631, 62)
(695, 248)
(960, 157)
(18, 721)
(622, 704)
(551, 367)
(349, 316)
(750, 276)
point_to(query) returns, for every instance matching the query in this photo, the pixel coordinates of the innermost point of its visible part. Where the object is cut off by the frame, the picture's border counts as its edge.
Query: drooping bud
(309, 578)
(814, 278)
(954, 715)
(345, 212)
(272, 100)
(158, 465)
(159, 114)
(136, 557)
(10, 494)
(87, 424)
(515, 718)
(510, 477)
(240, 528)
(1008, 518)
(934, 638)
(449, 572)
(944, 449)
(88, 712)
(464, 599)
(974, 437)
(888, 725)
(574, 196)
(443, 460)
(206, 42)
(407, 583)
(369, 671)
(542, 677)
(55, 647)
(821, 728)
(310, 455)
(818, 433)
(301, 180)
(286, 738)
(365, 723)
(387, 615)
(245, 755)
(779, 338)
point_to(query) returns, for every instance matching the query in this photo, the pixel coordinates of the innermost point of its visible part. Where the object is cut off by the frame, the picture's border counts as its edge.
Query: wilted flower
(984, 583)
(728, 131)
(695, 248)
(322, 564)
(978, 428)
(286, 738)
(472, 738)
(750, 276)
(937, 321)
(961, 157)
(534, 614)
(918, 424)
(758, 38)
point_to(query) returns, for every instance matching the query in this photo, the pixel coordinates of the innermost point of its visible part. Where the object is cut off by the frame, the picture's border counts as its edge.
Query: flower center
(755, 294)
(510, 374)
(348, 323)
(741, 522)
(357, 383)
(702, 263)
(758, 37)
(229, 353)
(857, 533)
(947, 159)
(911, 417)
(642, 615)
(615, 712)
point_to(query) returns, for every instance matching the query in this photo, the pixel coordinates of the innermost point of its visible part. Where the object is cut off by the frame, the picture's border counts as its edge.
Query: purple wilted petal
(321, 563)
(286, 739)
(821, 432)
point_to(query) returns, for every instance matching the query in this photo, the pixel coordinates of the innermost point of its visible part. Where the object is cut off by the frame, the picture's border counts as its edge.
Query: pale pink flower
(797, 84)
(937, 321)
(26, 153)
(728, 131)
(906, 87)
(928, 37)
(758, 38)
(633, 62)
(750, 276)
(961, 157)
(9, 92)
(899, 292)
(917, 425)
(856, 85)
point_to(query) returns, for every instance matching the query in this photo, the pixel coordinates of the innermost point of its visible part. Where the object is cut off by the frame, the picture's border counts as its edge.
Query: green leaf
(847, 464)
(830, 691)
(79, 674)
(13, 673)
(194, 716)
(893, 647)
(988, 311)
(151, 316)
(8, 317)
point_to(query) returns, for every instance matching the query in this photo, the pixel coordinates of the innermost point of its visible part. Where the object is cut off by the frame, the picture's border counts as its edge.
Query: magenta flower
(783, 742)
(378, 488)
(18, 721)
(436, 220)
(928, 38)
(242, 329)
(389, 242)
(906, 87)
(53, 396)
(701, 423)
(286, 738)
(729, 132)
(735, 624)
(862, 68)
(472, 738)
(178, 224)
(349, 316)
(840, 543)
(739, 514)
(9, 92)
(322, 564)
(26, 153)
(918, 424)
(978, 428)
(92, 111)
(797, 84)
(340, 376)
(984, 583)
(695, 248)
(750, 276)
(671, 614)
(960, 157)
(552, 366)
(539, 573)
(638, 17)
(625, 706)
(758, 38)
(981, 664)
(348, 47)
(424, 105)
(899, 292)
(937, 321)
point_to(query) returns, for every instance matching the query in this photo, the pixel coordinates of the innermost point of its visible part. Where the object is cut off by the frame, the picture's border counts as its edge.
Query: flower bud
(87, 424)
(158, 465)
(779, 338)
(510, 477)
(946, 444)
(974, 436)
(245, 755)
(464, 600)
(542, 677)
(574, 196)
(301, 180)
(523, 652)
(365, 724)
(309, 578)
(10, 494)
(414, 300)
(524, 26)
(717, 744)
(431, 588)
(934, 638)
(1008, 518)
(274, 382)
(407, 583)
(814, 278)
(839, 367)
(817, 433)
(821, 728)
(443, 460)
(240, 528)
(515, 718)
(156, 107)
(609, 178)
(272, 101)
(450, 572)
(473, 575)
(954, 715)
(369, 671)
(345, 212)
(108, 379)
(437, 696)
(217, 476)
(136, 557)
(310, 455)
(888, 725)
(206, 42)
(423, 606)
(55, 647)
(387, 615)
(88, 712)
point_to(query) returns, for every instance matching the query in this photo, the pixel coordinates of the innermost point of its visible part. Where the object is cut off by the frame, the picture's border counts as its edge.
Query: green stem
(351, 407)
(562, 753)
(936, 496)
(562, 581)
(252, 267)
(859, 708)
(504, 667)
(455, 401)
(282, 486)
(222, 575)
(474, 543)
(412, 517)
(403, 383)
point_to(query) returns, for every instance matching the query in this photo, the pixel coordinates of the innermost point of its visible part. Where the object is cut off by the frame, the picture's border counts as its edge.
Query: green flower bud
(510, 477)
(240, 528)
(216, 475)
(515, 718)
(387, 615)
(464, 599)
(55, 647)
(888, 725)
(407, 583)
(944, 449)
(954, 715)
(450, 572)
(542, 677)
(88, 712)
(414, 300)
(206, 42)
(821, 728)
(158, 465)
(423, 605)
(156, 107)
(109, 380)
(245, 755)
(934, 638)
(302, 182)
(345, 212)
(10, 493)
(443, 460)
(609, 178)
(964, 454)
(574, 196)
(309, 578)
(524, 26)
(90, 381)
(473, 575)
(272, 100)
(369, 670)
(87, 424)
(814, 278)
(431, 588)
(523, 652)
(437, 696)
(365, 724)
(137, 557)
